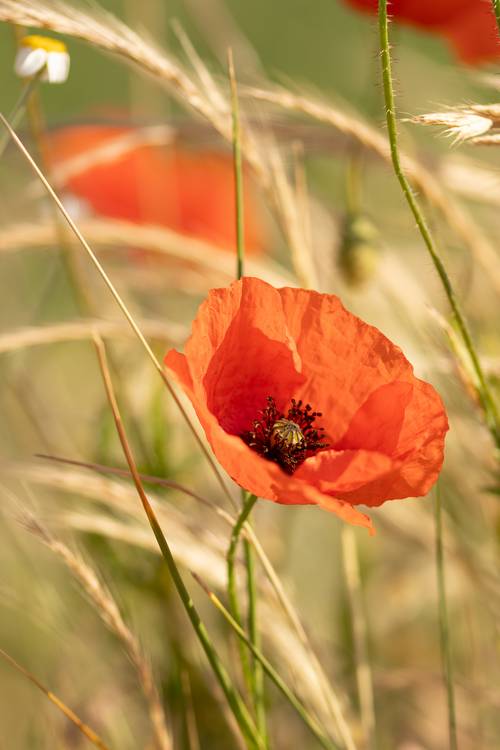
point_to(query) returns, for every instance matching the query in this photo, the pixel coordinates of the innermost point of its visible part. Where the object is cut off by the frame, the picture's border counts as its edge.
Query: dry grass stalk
(460, 126)
(369, 138)
(115, 233)
(200, 550)
(466, 123)
(113, 149)
(110, 614)
(83, 331)
(363, 668)
(53, 698)
(121, 304)
(472, 179)
(109, 33)
(486, 140)
(117, 530)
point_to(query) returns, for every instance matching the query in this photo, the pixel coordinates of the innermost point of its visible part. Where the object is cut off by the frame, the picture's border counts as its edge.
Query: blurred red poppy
(259, 364)
(188, 191)
(469, 25)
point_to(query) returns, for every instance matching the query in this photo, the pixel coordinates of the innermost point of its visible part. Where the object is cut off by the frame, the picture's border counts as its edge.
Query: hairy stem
(487, 401)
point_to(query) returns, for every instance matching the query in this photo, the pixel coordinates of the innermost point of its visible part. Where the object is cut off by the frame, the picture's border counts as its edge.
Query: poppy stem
(273, 675)
(240, 712)
(79, 724)
(257, 673)
(238, 169)
(485, 396)
(443, 625)
(234, 605)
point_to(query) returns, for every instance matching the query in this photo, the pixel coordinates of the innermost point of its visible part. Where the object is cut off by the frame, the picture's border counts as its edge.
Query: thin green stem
(233, 698)
(364, 677)
(273, 675)
(238, 169)
(119, 301)
(443, 625)
(257, 672)
(496, 8)
(487, 401)
(19, 108)
(252, 672)
(234, 605)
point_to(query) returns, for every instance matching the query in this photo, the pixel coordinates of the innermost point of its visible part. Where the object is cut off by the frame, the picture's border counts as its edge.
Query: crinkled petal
(249, 470)
(241, 352)
(377, 424)
(474, 34)
(469, 25)
(418, 453)
(344, 358)
(335, 472)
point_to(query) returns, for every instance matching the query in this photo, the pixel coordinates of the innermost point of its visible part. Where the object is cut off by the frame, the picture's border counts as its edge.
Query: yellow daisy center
(43, 42)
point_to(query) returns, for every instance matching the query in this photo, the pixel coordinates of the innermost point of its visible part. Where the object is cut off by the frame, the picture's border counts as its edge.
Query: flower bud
(359, 249)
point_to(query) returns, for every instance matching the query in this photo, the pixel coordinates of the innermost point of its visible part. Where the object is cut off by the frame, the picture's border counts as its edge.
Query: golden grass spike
(121, 304)
(110, 614)
(369, 138)
(79, 724)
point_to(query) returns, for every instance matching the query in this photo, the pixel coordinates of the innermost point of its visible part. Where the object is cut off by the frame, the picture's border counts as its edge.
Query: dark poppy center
(286, 438)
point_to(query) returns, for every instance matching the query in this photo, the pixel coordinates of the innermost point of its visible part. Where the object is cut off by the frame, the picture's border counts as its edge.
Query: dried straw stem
(419, 176)
(87, 731)
(118, 234)
(198, 550)
(84, 330)
(109, 33)
(110, 614)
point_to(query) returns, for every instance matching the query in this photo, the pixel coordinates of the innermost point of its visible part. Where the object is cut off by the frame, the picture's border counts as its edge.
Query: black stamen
(287, 439)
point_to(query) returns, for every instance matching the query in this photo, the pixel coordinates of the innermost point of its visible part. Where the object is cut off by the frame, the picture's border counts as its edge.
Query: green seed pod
(288, 432)
(359, 249)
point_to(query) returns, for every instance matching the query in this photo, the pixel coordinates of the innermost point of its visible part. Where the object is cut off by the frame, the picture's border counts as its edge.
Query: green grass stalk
(233, 698)
(121, 304)
(485, 396)
(444, 626)
(253, 672)
(238, 169)
(273, 675)
(232, 592)
(19, 109)
(257, 672)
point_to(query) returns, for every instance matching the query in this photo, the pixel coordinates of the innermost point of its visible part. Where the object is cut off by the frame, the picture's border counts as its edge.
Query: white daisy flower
(41, 53)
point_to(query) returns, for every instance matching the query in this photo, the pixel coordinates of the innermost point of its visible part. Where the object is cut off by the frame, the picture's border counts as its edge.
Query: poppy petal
(249, 470)
(335, 472)
(345, 359)
(419, 451)
(251, 341)
(241, 352)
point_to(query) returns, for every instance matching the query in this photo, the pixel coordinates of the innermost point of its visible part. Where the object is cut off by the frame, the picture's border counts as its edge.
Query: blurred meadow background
(76, 548)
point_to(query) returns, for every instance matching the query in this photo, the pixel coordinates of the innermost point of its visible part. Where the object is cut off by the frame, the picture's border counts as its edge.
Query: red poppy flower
(304, 403)
(191, 192)
(469, 25)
